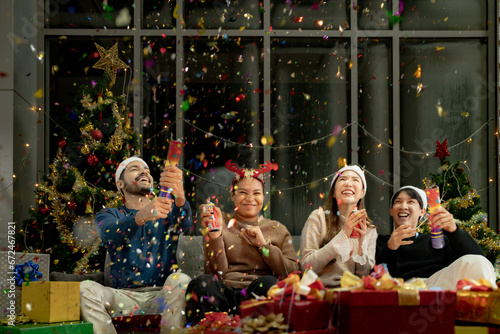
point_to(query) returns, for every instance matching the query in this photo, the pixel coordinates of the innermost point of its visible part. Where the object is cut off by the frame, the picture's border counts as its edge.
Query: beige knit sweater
(238, 262)
(330, 259)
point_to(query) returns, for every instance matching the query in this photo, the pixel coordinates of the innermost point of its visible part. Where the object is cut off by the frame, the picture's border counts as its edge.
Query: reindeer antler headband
(249, 173)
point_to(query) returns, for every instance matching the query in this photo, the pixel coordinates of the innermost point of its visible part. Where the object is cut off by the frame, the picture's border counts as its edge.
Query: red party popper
(434, 202)
(173, 156)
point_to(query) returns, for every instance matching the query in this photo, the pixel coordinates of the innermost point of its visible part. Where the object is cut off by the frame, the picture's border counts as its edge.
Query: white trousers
(467, 266)
(99, 303)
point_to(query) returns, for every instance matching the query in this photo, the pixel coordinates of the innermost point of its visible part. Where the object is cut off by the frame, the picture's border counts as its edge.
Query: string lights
(380, 143)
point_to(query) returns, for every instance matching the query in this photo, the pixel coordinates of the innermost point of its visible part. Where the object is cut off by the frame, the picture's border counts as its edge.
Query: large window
(310, 85)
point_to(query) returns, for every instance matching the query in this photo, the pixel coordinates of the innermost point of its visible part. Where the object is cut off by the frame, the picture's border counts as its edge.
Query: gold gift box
(478, 306)
(51, 301)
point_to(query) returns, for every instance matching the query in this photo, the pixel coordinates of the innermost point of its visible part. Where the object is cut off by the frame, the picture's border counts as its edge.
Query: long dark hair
(332, 218)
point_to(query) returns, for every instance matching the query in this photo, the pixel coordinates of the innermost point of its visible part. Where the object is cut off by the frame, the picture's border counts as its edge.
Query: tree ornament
(88, 208)
(442, 149)
(72, 205)
(62, 143)
(89, 127)
(109, 62)
(44, 210)
(92, 160)
(85, 150)
(96, 134)
(86, 101)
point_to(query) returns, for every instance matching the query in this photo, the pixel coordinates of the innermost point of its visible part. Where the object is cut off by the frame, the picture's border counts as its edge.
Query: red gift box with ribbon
(477, 302)
(394, 311)
(300, 300)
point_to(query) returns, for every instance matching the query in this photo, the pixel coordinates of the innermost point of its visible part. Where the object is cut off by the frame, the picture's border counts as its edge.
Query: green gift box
(77, 327)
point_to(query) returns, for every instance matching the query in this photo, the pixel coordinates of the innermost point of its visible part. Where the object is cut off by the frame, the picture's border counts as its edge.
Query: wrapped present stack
(301, 301)
(379, 303)
(478, 301)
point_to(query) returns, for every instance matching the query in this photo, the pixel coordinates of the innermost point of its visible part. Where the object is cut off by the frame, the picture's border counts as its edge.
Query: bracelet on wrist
(267, 243)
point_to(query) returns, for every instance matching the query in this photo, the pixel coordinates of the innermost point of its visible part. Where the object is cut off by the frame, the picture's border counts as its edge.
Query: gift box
(11, 275)
(300, 315)
(51, 301)
(393, 311)
(79, 327)
(476, 330)
(478, 306)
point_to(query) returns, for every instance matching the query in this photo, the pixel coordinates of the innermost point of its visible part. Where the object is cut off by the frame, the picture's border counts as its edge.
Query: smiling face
(136, 179)
(248, 198)
(348, 189)
(406, 209)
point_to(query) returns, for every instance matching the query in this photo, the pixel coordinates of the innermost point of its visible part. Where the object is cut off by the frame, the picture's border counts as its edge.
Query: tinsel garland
(60, 210)
(477, 227)
(460, 202)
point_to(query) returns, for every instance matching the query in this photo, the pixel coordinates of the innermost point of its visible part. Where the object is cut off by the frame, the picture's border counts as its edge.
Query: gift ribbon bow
(219, 320)
(472, 285)
(27, 272)
(309, 286)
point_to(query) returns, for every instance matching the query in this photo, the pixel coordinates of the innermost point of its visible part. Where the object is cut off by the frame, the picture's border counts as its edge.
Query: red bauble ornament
(96, 134)
(72, 205)
(92, 160)
(108, 162)
(62, 143)
(44, 210)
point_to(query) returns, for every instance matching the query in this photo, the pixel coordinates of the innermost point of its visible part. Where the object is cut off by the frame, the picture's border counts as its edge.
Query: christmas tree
(459, 197)
(81, 182)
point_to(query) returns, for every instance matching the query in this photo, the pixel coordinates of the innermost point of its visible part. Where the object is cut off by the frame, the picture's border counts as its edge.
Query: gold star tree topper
(110, 62)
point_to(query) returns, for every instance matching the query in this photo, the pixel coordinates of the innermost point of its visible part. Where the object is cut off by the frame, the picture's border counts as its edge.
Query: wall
(28, 109)
(18, 126)
(7, 119)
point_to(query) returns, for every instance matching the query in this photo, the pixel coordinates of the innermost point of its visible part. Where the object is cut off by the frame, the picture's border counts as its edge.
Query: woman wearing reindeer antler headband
(246, 255)
(340, 237)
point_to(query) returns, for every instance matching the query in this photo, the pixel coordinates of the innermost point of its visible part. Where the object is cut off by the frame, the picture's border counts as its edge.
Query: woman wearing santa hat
(340, 237)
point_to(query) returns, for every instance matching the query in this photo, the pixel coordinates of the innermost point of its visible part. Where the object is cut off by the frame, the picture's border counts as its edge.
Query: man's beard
(136, 188)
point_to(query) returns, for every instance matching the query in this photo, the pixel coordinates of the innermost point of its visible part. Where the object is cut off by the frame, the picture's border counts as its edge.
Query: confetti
(418, 73)
(39, 93)
(265, 251)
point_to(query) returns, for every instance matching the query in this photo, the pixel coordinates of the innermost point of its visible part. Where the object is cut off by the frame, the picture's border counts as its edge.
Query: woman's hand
(356, 221)
(254, 235)
(206, 217)
(158, 208)
(171, 177)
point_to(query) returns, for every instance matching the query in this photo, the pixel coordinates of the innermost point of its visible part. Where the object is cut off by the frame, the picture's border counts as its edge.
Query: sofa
(190, 260)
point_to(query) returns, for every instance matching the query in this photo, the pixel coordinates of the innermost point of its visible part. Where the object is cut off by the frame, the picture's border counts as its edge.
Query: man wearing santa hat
(138, 239)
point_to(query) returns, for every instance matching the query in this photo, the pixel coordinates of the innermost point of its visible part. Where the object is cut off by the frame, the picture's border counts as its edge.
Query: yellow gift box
(478, 306)
(51, 301)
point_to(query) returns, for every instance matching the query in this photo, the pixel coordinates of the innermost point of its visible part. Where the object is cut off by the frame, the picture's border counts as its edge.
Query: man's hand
(158, 208)
(398, 235)
(171, 177)
(441, 218)
(205, 218)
